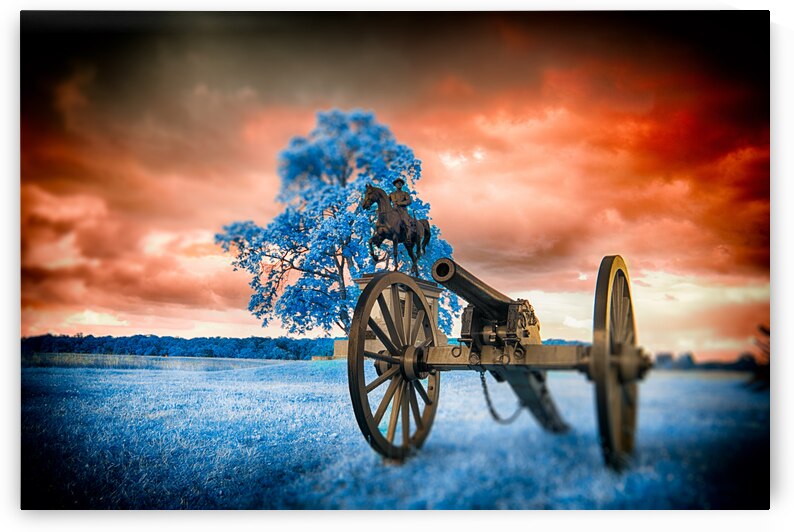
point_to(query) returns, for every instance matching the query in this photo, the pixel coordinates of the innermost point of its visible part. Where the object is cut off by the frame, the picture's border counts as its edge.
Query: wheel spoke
(422, 393)
(384, 358)
(415, 406)
(617, 300)
(630, 336)
(387, 318)
(383, 337)
(419, 324)
(626, 328)
(613, 314)
(396, 312)
(388, 374)
(409, 309)
(395, 413)
(619, 308)
(406, 420)
(384, 403)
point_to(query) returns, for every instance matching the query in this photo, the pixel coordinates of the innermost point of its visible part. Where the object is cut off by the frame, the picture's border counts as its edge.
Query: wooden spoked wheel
(613, 351)
(394, 396)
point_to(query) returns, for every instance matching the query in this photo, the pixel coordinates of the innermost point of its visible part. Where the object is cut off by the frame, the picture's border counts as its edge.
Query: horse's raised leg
(372, 250)
(376, 242)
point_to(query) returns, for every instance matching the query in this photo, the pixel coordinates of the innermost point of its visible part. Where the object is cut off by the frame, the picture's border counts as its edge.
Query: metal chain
(492, 410)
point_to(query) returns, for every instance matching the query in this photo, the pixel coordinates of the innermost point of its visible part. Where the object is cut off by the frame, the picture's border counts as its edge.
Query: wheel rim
(393, 399)
(614, 336)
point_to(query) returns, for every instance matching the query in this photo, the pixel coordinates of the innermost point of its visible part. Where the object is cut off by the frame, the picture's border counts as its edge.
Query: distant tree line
(150, 345)
(560, 341)
(745, 362)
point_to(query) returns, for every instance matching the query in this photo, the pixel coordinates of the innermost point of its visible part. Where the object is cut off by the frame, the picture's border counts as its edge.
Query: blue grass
(283, 435)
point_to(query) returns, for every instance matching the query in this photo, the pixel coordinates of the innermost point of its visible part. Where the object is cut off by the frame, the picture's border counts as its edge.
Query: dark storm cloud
(294, 55)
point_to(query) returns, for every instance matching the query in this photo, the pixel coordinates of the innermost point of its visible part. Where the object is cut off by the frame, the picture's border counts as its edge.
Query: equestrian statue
(395, 224)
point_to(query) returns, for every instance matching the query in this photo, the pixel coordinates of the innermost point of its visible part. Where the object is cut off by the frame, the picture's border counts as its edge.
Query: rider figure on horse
(400, 199)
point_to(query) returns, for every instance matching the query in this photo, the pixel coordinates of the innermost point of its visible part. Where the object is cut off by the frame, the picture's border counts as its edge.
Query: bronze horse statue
(390, 226)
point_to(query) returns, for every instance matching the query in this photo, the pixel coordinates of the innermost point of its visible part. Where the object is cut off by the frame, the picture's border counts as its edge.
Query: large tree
(303, 263)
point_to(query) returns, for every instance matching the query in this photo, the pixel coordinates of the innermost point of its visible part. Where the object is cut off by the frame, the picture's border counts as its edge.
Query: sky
(547, 141)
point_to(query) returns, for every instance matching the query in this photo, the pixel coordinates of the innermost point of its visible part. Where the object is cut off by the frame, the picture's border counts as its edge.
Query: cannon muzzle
(490, 301)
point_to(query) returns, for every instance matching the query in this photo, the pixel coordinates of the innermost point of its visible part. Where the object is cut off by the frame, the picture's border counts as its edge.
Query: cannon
(396, 356)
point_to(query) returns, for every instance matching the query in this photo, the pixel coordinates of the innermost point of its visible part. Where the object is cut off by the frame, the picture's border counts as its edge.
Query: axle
(535, 357)
(631, 362)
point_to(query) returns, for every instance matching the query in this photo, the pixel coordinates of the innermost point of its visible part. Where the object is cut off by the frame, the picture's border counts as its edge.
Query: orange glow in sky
(547, 141)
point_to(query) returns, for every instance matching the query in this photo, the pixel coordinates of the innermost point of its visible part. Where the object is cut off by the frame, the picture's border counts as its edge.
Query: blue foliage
(303, 263)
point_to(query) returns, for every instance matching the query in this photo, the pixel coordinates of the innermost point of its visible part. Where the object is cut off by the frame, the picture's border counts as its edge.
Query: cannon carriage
(395, 386)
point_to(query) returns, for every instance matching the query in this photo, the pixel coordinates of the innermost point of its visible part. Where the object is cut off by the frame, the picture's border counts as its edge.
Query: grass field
(83, 360)
(282, 435)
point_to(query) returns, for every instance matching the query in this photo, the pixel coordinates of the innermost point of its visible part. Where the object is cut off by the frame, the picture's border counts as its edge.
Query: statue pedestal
(431, 292)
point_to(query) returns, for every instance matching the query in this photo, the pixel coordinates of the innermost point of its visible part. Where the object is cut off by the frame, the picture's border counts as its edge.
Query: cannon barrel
(488, 300)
